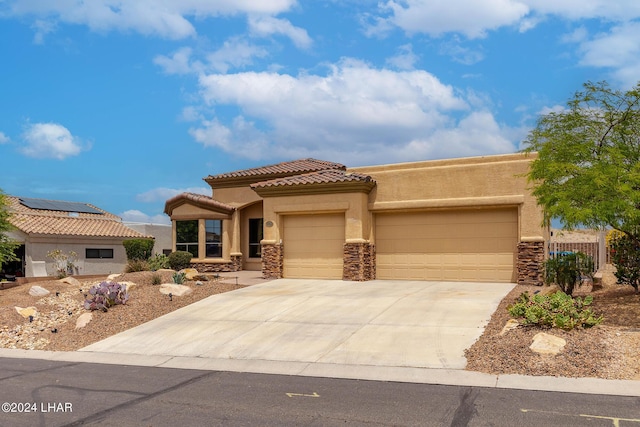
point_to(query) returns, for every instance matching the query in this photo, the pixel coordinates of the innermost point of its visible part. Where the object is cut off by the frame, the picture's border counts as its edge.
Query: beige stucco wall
(491, 181)
(353, 205)
(236, 196)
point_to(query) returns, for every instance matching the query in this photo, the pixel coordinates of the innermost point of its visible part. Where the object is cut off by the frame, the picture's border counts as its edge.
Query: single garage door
(313, 246)
(475, 245)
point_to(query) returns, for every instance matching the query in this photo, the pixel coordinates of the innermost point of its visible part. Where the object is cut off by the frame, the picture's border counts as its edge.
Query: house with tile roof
(41, 226)
(454, 219)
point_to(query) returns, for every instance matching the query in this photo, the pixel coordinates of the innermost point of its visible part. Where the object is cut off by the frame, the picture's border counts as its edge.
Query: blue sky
(124, 104)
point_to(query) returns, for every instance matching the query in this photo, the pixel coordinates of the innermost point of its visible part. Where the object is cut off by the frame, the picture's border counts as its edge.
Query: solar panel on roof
(55, 205)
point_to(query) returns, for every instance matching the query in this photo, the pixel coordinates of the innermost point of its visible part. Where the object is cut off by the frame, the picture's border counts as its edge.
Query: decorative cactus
(105, 295)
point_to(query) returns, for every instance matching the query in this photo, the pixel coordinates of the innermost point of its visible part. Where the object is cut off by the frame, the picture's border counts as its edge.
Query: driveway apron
(376, 323)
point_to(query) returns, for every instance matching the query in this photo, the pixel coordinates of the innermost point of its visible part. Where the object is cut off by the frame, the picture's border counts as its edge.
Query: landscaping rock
(189, 273)
(201, 278)
(544, 343)
(38, 291)
(130, 285)
(175, 290)
(112, 277)
(83, 320)
(510, 325)
(26, 312)
(71, 281)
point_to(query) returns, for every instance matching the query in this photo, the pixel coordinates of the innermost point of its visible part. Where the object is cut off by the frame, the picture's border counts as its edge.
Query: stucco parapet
(449, 203)
(447, 163)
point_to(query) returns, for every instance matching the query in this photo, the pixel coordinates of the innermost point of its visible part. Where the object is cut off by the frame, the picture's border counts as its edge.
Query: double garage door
(457, 245)
(474, 245)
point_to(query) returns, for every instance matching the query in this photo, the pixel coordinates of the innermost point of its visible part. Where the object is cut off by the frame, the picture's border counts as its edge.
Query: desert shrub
(179, 278)
(625, 256)
(568, 270)
(136, 265)
(179, 259)
(64, 262)
(105, 295)
(158, 261)
(557, 310)
(138, 248)
(156, 279)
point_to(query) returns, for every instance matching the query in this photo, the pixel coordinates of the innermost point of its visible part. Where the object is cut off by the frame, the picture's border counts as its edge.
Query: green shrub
(138, 248)
(568, 270)
(625, 256)
(557, 310)
(136, 265)
(179, 259)
(156, 279)
(158, 261)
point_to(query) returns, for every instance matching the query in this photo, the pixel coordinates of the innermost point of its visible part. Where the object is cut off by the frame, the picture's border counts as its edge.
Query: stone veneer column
(272, 261)
(530, 263)
(359, 262)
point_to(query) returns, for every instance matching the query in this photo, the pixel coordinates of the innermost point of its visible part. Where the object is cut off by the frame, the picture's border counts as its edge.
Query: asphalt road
(46, 393)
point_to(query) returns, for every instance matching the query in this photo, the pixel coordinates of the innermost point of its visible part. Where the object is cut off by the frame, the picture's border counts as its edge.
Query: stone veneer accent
(205, 267)
(359, 262)
(530, 263)
(272, 261)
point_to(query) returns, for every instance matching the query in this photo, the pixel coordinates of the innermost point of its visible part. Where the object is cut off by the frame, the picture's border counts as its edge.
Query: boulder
(26, 312)
(189, 273)
(130, 285)
(544, 343)
(175, 290)
(201, 278)
(83, 320)
(112, 277)
(71, 281)
(510, 325)
(38, 291)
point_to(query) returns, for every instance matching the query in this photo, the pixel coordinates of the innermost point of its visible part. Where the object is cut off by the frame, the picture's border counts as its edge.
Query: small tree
(138, 249)
(568, 270)
(7, 245)
(587, 171)
(625, 255)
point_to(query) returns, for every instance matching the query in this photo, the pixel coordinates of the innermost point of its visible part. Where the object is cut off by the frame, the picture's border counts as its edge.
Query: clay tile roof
(278, 170)
(199, 200)
(330, 180)
(67, 223)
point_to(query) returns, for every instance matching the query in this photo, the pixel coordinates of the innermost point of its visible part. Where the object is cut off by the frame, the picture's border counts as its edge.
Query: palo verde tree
(587, 171)
(7, 245)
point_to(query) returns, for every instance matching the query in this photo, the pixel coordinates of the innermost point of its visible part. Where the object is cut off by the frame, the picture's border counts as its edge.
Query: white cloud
(166, 18)
(138, 216)
(618, 50)
(4, 138)
(268, 25)
(405, 59)
(235, 52)
(178, 63)
(162, 194)
(618, 10)
(469, 17)
(356, 114)
(50, 140)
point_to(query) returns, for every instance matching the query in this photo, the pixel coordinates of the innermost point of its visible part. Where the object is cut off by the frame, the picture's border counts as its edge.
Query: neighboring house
(42, 226)
(161, 234)
(458, 219)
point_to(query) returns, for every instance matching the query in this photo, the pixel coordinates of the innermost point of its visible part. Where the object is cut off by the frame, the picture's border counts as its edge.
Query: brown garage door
(478, 245)
(313, 246)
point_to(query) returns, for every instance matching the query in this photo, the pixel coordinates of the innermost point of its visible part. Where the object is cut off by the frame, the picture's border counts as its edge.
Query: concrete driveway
(302, 322)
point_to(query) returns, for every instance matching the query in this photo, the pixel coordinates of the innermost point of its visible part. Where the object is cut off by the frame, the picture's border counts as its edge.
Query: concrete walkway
(378, 330)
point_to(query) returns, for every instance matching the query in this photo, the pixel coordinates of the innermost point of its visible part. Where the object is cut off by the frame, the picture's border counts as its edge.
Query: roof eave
(315, 188)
